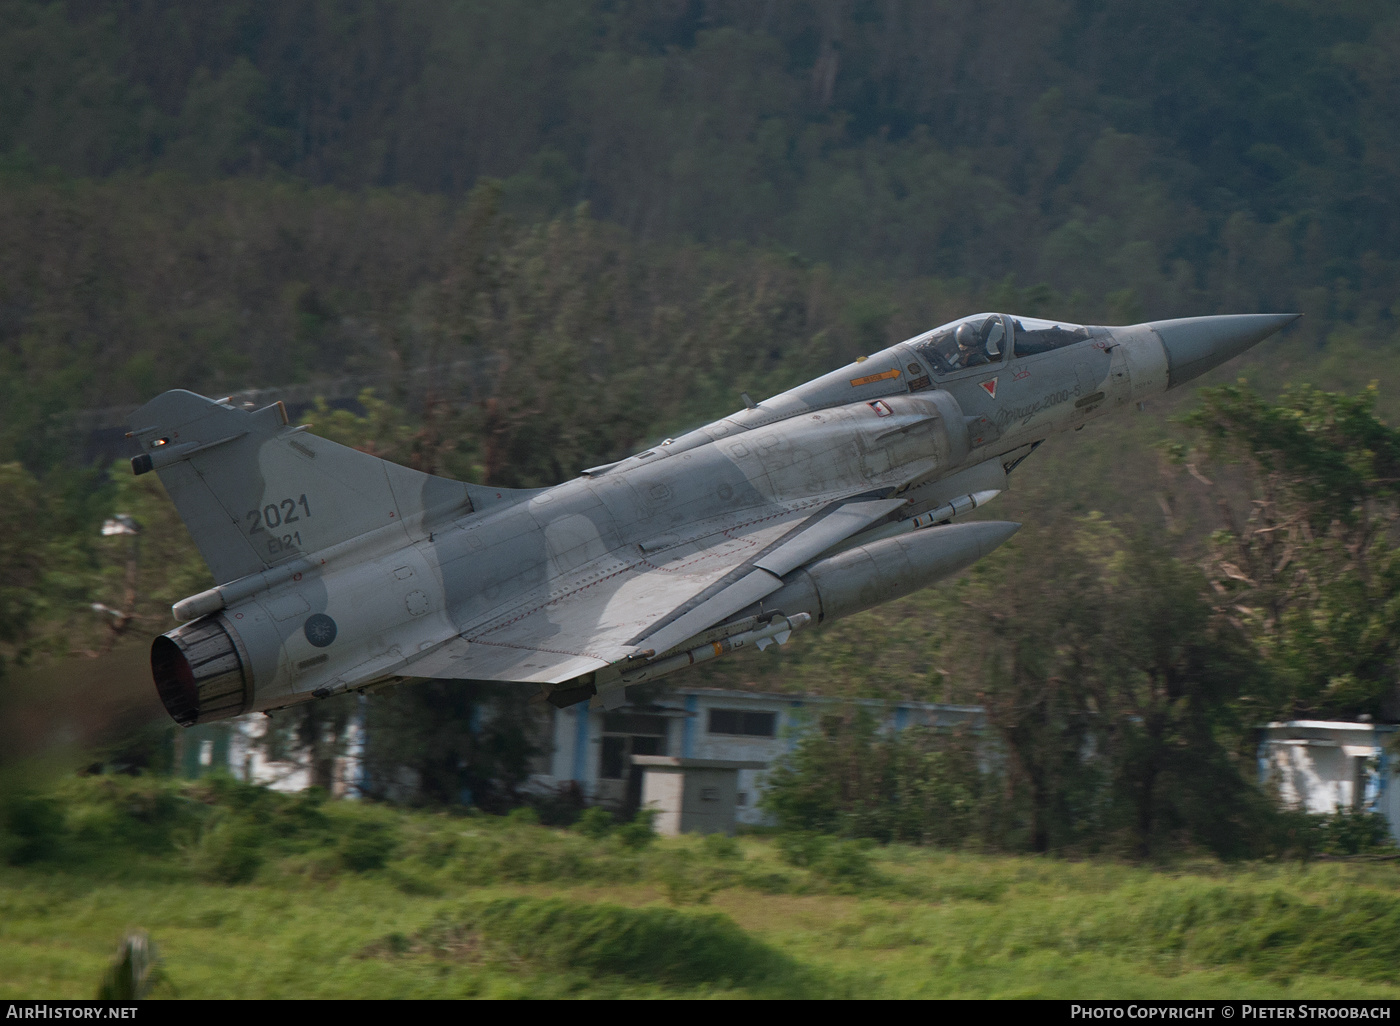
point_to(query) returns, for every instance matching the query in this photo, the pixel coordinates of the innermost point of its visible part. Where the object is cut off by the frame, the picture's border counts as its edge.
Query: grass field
(248, 894)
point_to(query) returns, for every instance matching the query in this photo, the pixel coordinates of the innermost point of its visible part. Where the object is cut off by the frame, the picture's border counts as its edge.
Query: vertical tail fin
(255, 492)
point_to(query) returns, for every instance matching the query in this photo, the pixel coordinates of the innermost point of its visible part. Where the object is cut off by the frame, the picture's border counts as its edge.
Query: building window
(626, 735)
(743, 722)
(634, 723)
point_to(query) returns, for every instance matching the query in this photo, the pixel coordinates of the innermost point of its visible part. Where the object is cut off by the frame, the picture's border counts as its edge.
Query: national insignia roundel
(320, 629)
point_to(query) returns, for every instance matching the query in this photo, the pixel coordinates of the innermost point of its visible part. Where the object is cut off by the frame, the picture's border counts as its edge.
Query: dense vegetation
(246, 893)
(548, 241)
(1243, 149)
(274, 191)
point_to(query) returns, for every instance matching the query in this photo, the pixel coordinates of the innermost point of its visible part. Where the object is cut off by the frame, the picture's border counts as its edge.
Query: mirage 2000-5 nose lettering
(339, 571)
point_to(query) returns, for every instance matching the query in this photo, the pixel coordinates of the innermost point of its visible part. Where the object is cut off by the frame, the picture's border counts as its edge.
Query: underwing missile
(775, 632)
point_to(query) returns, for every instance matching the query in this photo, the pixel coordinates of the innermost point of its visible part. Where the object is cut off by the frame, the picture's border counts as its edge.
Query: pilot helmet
(967, 336)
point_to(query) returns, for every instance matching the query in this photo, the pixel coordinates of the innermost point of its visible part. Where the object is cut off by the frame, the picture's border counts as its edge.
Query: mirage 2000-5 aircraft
(339, 571)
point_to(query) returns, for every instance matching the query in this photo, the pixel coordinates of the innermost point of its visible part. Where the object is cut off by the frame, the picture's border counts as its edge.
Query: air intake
(198, 673)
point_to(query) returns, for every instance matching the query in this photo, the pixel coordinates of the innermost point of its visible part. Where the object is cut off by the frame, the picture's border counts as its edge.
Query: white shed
(697, 796)
(1321, 766)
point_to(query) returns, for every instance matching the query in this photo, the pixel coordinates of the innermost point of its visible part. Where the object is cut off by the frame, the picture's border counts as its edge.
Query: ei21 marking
(288, 542)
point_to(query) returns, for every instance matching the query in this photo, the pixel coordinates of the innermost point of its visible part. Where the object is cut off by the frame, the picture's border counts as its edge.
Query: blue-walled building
(593, 748)
(588, 749)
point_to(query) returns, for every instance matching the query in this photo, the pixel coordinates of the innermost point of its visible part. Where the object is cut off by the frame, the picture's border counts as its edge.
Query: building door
(625, 735)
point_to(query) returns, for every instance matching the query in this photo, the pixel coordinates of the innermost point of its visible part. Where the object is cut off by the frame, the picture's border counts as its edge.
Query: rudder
(255, 492)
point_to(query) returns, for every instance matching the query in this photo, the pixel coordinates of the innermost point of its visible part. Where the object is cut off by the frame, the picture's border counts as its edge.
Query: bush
(721, 846)
(230, 852)
(561, 806)
(1354, 833)
(1292, 832)
(847, 777)
(301, 815)
(652, 944)
(368, 845)
(595, 823)
(227, 791)
(36, 826)
(523, 816)
(844, 862)
(640, 832)
(435, 849)
(154, 815)
(801, 848)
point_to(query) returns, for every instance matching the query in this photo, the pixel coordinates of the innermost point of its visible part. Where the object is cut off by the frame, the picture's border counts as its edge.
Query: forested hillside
(552, 234)
(255, 192)
(1055, 140)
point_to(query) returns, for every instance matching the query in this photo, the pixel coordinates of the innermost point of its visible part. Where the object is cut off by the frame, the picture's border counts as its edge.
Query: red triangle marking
(991, 387)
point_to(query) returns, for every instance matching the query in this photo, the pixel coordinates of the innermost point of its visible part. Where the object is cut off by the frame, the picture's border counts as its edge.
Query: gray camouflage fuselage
(339, 571)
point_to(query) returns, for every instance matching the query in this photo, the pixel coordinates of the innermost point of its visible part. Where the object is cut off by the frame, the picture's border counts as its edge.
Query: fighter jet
(341, 572)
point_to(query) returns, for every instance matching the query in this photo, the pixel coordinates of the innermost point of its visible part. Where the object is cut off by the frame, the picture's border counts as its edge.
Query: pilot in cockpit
(970, 343)
(976, 347)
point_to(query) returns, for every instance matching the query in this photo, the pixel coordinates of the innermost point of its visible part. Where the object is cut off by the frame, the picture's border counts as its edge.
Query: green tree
(1113, 686)
(437, 742)
(1308, 489)
(846, 775)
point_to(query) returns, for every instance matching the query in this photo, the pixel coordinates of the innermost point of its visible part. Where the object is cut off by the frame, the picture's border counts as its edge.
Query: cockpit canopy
(982, 339)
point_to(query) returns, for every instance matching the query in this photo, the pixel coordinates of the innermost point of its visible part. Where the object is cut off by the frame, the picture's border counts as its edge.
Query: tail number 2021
(275, 514)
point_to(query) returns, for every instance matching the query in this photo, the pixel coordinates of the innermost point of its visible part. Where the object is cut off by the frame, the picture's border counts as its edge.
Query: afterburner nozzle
(1197, 344)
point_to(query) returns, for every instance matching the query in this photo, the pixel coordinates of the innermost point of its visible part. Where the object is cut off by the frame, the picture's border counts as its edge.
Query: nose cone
(1196, 344)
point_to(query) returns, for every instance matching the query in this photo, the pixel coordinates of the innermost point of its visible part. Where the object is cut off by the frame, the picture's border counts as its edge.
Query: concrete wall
(691, 800)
